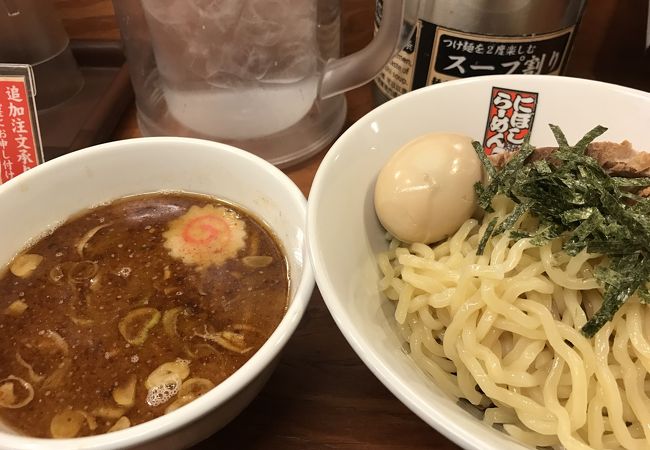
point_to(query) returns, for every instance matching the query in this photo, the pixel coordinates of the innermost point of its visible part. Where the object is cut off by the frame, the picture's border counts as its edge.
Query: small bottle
(464, 38)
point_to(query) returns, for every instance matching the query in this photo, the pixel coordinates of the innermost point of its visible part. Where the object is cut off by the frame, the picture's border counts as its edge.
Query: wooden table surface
(322, 396)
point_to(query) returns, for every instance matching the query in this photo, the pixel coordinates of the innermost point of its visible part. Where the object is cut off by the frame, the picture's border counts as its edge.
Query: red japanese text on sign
(18, 147)
(510, 119)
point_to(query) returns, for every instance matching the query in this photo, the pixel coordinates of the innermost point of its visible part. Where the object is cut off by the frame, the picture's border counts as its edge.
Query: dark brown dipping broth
(208, 317)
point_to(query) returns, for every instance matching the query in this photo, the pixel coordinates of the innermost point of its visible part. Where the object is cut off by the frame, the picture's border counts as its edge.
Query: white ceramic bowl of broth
(49, 194)
(344, 234)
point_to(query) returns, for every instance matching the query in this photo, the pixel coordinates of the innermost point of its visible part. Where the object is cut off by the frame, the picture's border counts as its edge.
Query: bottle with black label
(464, 38)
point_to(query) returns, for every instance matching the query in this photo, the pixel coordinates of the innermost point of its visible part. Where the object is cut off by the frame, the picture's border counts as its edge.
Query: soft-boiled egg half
(426, 190)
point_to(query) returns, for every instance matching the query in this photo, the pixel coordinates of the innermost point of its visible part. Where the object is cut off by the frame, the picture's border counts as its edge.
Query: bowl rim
(433, 416)
(224, 391)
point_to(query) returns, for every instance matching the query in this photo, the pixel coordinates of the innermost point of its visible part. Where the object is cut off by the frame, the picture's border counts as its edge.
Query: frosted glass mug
(263, 75)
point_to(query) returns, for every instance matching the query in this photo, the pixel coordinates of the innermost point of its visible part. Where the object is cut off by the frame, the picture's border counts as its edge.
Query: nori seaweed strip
(512, 218)
(578, 239)
(576, 215)
(644, 224)
(487, 164)
(634, 197)
(486, 236)
(624, 276)
(631, 182)
(588, 138)
(541, 166)
(516, 235)
(609, 247)
(559, 137)
(642, 206)
(548, 198)
(486, 193)
(609, 276)
(546, 234)
(500, 181)
(513, 168)
(612, 302)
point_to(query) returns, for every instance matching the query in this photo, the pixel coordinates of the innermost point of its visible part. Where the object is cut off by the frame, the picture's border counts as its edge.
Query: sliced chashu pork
(618, 160)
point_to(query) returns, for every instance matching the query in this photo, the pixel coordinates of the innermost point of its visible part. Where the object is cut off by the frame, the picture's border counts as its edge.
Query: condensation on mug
(262, 75)
(247, 57)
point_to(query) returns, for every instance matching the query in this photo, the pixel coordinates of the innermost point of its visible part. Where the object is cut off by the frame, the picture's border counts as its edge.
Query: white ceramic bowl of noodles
(344, 234)
(50, 193)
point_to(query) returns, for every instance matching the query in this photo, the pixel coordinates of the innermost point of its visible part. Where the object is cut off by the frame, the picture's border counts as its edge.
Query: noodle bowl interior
(504, 323)
(133, 310)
